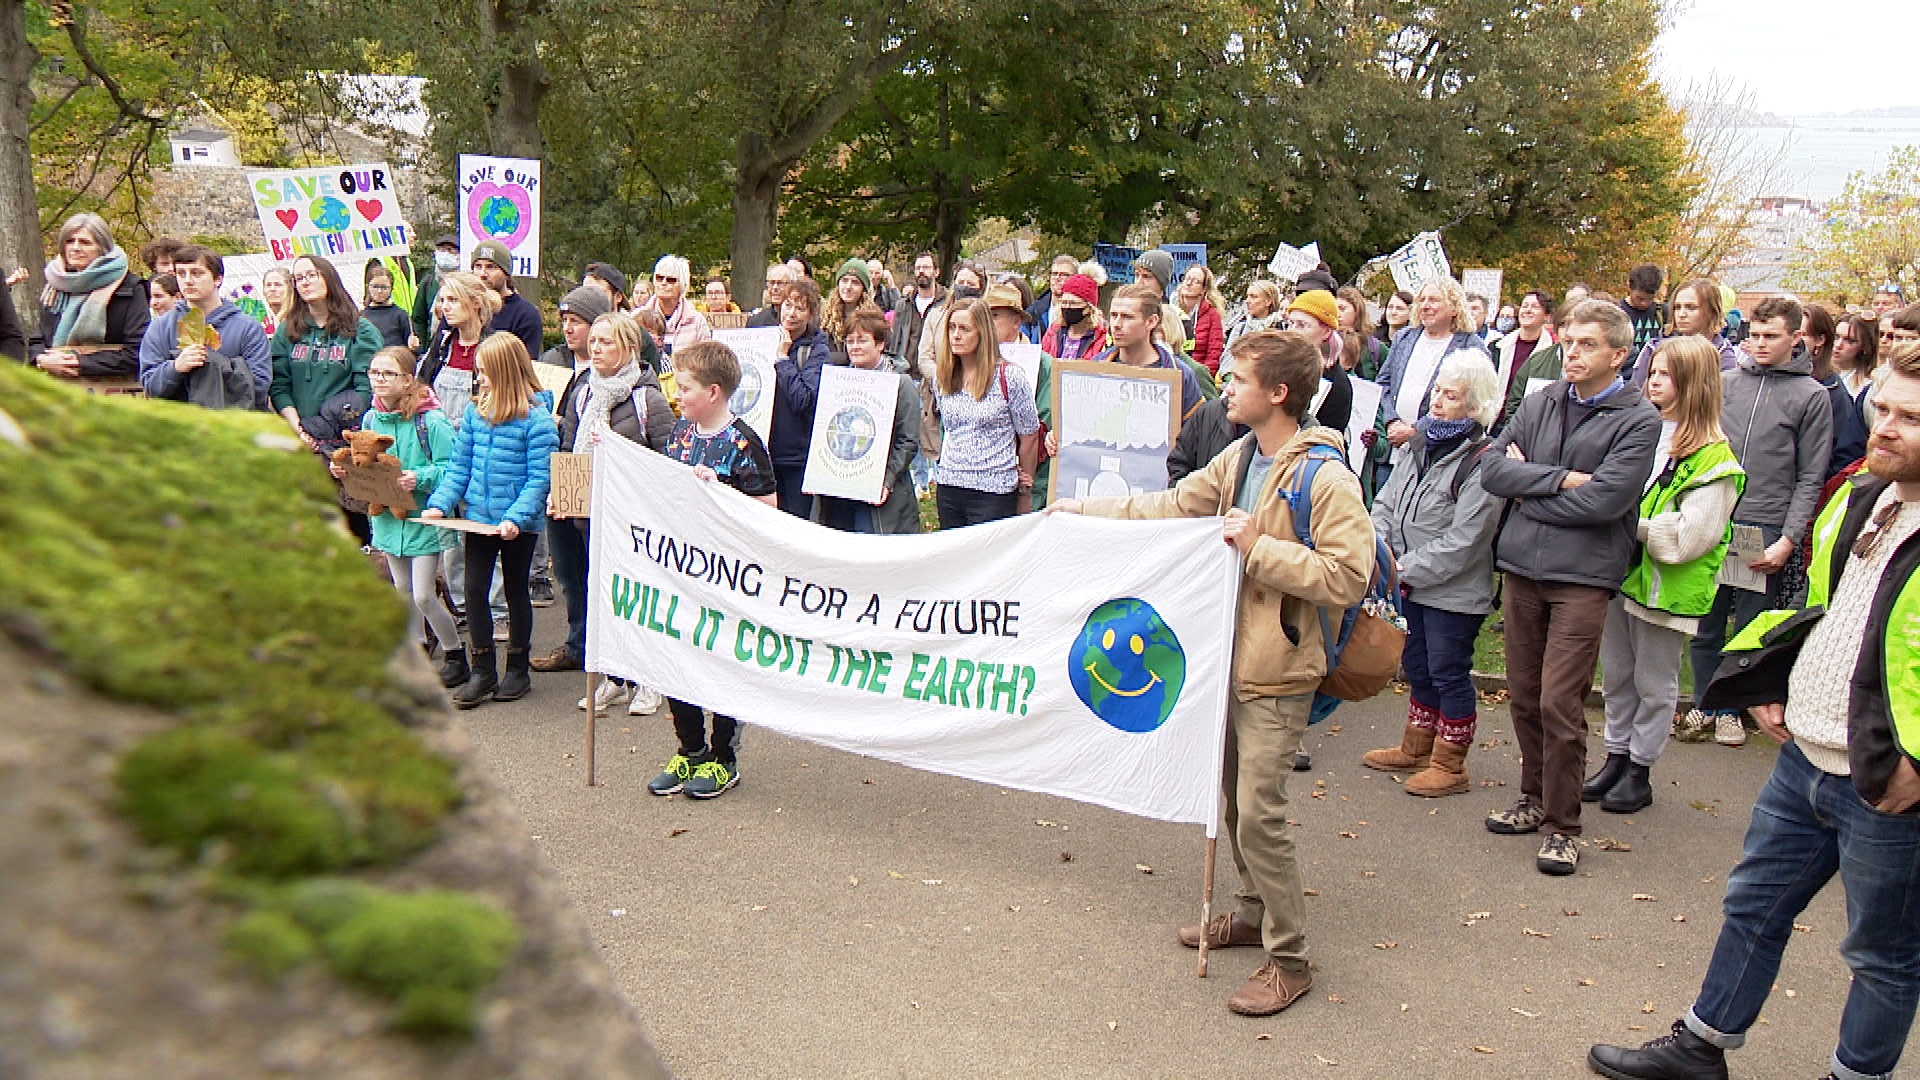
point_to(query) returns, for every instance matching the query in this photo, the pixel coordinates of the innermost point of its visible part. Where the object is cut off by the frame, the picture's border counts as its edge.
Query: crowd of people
(1629, 485)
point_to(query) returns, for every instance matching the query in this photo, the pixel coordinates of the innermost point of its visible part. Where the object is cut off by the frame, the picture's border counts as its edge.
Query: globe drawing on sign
(850, 433)
(1127, 666)
(329, 214)
(746, 396)
(499, 217)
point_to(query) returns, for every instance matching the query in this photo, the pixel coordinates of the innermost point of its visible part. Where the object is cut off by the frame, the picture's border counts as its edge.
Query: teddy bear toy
(369, 448)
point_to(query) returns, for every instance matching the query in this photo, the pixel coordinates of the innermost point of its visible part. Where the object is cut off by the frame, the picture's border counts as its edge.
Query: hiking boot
(1696, 726)
(1601, 782)
(481, 681)
(1445, 774)
(453, 668)
(1729, 730)
(1559, 855)
(645, 701)
(560, 659)
(542, 593)
(673, 779)
(1224, 932)
(1681, 1055)
(711, 778)
(608, 695)
(1413, 753)
(517, 682)
(1269, 990)
(1633, 793)
(1525, 816)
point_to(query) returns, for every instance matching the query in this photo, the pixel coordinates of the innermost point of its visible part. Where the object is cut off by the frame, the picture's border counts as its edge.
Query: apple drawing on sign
(502, 212)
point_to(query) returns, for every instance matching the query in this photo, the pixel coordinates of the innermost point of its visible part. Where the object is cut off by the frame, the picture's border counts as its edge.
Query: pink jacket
(686, 327)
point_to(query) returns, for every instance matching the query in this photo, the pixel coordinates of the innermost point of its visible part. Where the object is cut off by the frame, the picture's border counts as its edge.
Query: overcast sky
(1849, 54)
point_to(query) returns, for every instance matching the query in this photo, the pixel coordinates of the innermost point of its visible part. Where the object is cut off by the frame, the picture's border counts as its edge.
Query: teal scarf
(79, 298)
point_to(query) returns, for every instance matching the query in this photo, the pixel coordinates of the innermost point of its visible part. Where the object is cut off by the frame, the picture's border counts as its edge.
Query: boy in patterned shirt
(720, 447)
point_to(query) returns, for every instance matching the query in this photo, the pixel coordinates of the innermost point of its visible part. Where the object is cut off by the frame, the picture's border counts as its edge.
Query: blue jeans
(1438, 659)
(1807, 825)
(1737, 605)
(569, 538)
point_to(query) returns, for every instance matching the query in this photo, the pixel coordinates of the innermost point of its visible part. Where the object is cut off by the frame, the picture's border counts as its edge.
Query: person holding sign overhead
(615, 394)
(897, 511)
(500, 470)
(992, 440)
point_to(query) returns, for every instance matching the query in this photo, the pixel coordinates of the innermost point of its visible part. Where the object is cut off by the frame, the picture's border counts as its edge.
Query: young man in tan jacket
(1279, 657)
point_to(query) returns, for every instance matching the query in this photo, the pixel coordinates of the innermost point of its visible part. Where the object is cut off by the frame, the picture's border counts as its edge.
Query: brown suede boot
(1416, 747)
(1269, 990)
(1224, 932)
(1446, 774)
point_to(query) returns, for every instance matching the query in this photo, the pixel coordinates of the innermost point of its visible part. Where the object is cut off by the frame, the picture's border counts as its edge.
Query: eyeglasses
(662, 279)
(378, 374)
(308, 276)
(1882, 521)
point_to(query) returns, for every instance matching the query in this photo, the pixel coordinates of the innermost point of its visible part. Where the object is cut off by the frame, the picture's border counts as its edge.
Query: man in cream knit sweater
(1838, 683)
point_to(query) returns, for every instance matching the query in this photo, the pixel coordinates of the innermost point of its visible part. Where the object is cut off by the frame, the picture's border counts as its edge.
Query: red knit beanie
(1082, 286)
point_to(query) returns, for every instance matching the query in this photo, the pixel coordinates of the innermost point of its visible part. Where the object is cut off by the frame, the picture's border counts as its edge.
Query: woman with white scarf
(94, 310)
(614, 395)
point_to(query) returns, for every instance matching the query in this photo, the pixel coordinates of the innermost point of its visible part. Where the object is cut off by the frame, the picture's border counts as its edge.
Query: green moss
(171, 559)
(428, 951)
(269, 942)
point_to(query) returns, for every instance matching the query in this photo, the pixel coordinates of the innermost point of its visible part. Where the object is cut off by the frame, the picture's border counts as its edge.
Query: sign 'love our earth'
(500, 200)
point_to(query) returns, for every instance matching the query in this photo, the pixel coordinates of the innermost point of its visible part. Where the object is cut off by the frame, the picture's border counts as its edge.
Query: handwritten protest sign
(989, 653)
(338, 210)
(500, 200)
(1117, 261)
(1185, 257)
(1115, 425)
(1484, 282)
(758, 349)
(1421, 260)
(1289, 262)
(1025, 356)
(572, 491)
(852, 434)
(379, 483)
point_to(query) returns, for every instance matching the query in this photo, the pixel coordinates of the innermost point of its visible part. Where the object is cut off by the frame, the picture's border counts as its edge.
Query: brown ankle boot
(1224, 932)
(1416, 747)
(1446, 774)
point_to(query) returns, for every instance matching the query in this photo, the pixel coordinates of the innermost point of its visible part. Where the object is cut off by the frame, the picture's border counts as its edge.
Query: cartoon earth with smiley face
(1127, 665)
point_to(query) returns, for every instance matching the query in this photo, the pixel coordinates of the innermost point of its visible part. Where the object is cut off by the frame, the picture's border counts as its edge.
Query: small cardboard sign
(377, 483)
(572, 492)
(461, 525)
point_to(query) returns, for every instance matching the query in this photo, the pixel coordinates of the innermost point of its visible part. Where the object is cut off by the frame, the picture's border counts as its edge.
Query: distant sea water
(1823, 151)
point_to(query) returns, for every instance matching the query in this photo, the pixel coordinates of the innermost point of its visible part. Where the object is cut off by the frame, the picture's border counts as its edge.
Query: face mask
(966, 292)
(1073, 316)
(447, 261)
(1505, 324)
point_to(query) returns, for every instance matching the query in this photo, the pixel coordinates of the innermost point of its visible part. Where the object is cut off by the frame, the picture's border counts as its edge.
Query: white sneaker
(645, 701)
(1728, 730)
(607, 696)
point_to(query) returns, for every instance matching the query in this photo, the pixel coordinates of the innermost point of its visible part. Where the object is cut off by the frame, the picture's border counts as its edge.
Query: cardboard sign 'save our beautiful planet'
(333, 211)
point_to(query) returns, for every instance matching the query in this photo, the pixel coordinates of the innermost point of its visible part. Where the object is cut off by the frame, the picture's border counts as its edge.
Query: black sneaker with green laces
(673, 779)
(711, 778)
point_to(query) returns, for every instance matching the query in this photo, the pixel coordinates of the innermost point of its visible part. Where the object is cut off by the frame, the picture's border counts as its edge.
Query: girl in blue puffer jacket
(500, 470)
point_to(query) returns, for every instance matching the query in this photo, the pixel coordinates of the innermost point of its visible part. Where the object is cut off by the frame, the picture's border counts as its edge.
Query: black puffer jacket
(650, 430)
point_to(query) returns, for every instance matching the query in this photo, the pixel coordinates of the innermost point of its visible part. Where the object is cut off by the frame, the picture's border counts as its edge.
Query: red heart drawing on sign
(288, 217)
(369, 208)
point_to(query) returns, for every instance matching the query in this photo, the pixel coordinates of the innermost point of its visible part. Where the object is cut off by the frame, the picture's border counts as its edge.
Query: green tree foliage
(1871, 236)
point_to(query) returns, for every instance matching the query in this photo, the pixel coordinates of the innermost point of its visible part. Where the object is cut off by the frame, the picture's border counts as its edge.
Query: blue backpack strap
(1300, 495)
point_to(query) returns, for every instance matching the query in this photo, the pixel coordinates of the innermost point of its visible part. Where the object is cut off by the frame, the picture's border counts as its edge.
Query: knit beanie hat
(1082, 286)
(858, 268)
(1158, 263)
(494, 252)
(586, 302)
(1319, 304)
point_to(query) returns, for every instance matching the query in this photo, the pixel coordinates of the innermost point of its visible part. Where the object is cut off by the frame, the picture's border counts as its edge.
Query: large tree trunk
(20, 241)
(756, 194)
(514, 127)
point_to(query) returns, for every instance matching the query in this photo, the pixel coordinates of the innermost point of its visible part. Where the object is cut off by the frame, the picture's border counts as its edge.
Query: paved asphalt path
(834, 916)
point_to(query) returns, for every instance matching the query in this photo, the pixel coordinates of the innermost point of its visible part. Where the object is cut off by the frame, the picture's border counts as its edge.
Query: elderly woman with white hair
(685, 325)
(94, 310)
(1440, 523)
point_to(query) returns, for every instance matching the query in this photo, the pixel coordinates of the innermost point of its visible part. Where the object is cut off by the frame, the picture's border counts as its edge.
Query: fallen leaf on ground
(931, 881)
(1066, 856)
(1523, 1012)
(1679, 918)
(1636, 1027)
(1803, 928)
(915, 1004)
(1570, 912)
(1336, 999)
(851, 880)
(1262, 1038)
(1386, 944)
(758, 907)
(895, 874)
(671, 833)
(1531, 932)
(1324, 1060)
(1483, 1049)
(1113, 1025)
(1045, 824)
(1793, 993)
(617, 912)
(1143, 868)
(1608, 843)
(1648, 897)
(1586, 982)
(868, 780)
(1309, 892)
(1349, 835)
(1647, 1007)
(1404, 1006)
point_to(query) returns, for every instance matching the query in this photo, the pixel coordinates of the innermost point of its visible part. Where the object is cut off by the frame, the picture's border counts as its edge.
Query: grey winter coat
(1581, 536)
(1444, 546)
(1779, 421)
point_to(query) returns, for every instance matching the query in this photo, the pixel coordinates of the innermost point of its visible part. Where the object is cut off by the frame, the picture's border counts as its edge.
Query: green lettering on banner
(740, 650)
(714, 618)
(962, 674)
(833, 671)
(882, 667)
(857, 668)
(937, 682)
(626, 595)
(768, 636)
(1009, 686)
(916, 671)
(673, 605)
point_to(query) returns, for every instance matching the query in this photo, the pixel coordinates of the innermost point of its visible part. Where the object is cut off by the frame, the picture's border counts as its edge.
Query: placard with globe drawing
(1114, 424)
(758, 350)
(852, 433)
(500, 200)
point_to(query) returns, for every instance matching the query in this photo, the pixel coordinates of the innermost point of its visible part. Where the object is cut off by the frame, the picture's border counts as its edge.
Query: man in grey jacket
(1779, 420)
(1574, 460)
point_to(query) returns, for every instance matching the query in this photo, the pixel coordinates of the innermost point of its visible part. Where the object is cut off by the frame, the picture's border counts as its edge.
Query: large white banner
(988, 653)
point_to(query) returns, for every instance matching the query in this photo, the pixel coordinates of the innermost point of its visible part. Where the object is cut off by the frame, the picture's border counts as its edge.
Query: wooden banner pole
(1206, 901)
(593, 689)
